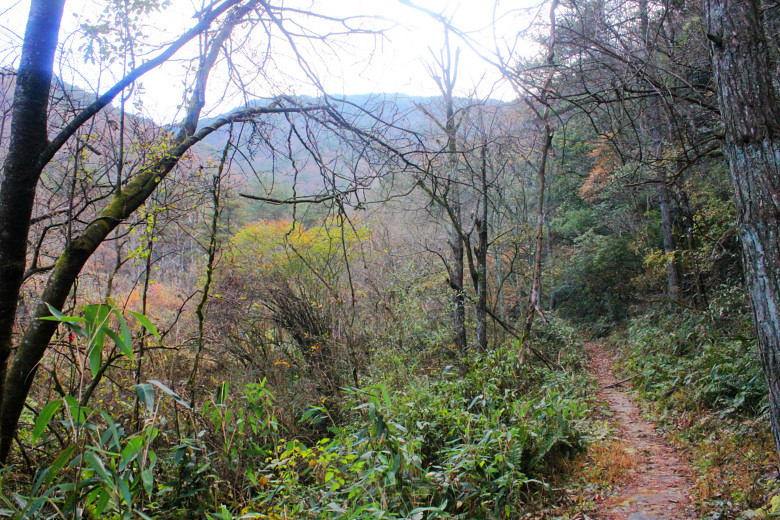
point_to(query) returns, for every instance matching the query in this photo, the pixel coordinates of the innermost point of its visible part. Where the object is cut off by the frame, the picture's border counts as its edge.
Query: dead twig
(613, 385)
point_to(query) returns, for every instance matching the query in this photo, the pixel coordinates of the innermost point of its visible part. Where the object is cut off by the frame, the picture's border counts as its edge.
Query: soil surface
(658, 486)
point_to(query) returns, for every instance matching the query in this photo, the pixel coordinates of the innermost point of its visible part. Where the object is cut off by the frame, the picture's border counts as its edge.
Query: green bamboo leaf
(97, 315)
(130, 452)
(145, 394)
(222, 393)
(147, 324)
(76, 410)
(112, 429)
(176, 397)
(147, 477)
(43, 419)
(95, 355)
(125, 338)
(59, 463)
(55, 313)
(69, 321)
(94, 462)
(64, 319)
(102, 501)
(125, 491)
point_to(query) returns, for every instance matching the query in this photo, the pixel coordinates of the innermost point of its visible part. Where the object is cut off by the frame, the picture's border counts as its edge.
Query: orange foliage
(600, 176)
(160, 296)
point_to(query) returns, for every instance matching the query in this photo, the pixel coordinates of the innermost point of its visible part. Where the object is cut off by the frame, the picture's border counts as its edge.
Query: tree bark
(656, 136)
(749, 106)
(544, 117)
(536, 277)
(457, 281)
(447, 86)
(481, 254)
(20, 173)
(667, 232)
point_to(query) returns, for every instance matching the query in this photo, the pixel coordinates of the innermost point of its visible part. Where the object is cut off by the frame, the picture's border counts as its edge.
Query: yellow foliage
(279, 247)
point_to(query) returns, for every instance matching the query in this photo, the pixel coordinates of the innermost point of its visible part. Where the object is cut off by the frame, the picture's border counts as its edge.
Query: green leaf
(147, 477)
(64, 319)
(44, 417)
(111, 428)
(125, 343)
(55, 313)
(125, 490)
(59, 463)
(94, 462)
(147, 324)
(95, 355)
(78, 412)
(102, 501)
(130, 452)
(69, 321)
(145, 394)
(97, 315)
(222, 393)
(176, 397)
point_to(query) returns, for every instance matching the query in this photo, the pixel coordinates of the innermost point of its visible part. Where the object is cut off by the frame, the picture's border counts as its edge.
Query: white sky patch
(356, 64)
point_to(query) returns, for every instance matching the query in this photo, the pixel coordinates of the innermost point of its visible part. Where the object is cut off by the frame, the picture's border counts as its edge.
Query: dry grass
(592, 475)
(736, 465)
(605, 464)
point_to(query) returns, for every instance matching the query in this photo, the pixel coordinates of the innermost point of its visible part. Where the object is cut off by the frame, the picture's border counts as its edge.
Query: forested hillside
(555, 296)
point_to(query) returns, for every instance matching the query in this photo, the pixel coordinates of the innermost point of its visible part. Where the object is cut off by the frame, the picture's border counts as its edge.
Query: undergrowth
(480, 438)
(699, 374)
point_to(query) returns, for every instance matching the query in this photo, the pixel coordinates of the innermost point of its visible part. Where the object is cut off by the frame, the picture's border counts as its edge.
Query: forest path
(658, 485)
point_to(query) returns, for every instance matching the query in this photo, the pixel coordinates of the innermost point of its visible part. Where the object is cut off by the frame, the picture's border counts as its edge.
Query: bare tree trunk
(481, 254)
(750, 110)
(550, 260)
(447, 86)
(536, 278)
(142, 334)
(500, 283)
(656, 136)
(216, 192)
(672, 273)
(544, 116)
(458, 297)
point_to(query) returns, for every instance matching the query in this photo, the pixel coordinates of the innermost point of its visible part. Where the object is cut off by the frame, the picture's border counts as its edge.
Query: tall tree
(751, 114)
(21, 170)
(446, 189)
(545, 115)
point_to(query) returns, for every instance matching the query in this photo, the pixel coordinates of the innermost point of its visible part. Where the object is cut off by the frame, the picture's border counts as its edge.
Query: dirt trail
(658, 485)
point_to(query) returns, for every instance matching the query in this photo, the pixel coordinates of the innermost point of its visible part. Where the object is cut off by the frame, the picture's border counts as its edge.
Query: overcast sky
(393, 63)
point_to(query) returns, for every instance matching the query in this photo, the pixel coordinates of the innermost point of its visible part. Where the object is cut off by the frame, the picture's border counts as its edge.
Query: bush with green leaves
(698, 360)
(596, 282)
(477, 444)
